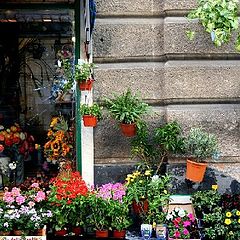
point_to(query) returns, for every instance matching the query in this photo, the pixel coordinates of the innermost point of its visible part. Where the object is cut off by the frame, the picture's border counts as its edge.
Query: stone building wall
(143, 45)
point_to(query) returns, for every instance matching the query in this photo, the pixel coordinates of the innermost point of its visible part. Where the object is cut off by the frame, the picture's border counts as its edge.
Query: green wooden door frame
(77, 7)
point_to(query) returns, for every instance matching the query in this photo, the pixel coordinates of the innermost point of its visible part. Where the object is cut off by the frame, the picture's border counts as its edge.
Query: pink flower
(185, 231)
(20, 199)
(40, 196)
(8, 199)
(177, 234)
(186, 223)
(15, 192)
(31, 204)
(191, 217)
(35, 185)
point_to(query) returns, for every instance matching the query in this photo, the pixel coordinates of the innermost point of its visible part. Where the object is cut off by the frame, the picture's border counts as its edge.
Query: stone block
(144, 78)
(201, 80)
(127, 38)
(220, 119)
(129, 7)
(170, 5)
(176, 41)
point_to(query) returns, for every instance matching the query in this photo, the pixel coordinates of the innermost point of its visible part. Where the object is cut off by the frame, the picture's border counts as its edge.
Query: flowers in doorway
(60, 144)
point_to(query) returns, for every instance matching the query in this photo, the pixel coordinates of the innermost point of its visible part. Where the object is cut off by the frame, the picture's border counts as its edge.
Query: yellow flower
(215, 187)
(54, 121)
(239, 220)
(128, 179)
(165, 191)
(238, 213)
(132, 180)
(141, 181)
(147, 172)
(154, 225)
(137, 173)
(230, 233)
(227, 221)
(129, 175)
(228, 214)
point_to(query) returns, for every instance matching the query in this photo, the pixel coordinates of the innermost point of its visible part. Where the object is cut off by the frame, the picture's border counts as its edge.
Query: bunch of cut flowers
(59, 146)
(181, 224)
(24, 211)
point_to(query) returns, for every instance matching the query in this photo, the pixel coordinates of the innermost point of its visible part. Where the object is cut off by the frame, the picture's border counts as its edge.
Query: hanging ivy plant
(219, 18)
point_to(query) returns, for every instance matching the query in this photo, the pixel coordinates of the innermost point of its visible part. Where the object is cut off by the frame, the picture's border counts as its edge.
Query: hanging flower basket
(86, 85)
(89, 121)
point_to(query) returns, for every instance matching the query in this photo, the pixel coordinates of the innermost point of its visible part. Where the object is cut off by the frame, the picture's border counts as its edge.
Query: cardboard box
(184, 202)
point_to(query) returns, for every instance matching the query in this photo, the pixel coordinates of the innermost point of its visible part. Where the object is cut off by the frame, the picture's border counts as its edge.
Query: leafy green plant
(83, 71)
(126, 108)
(201, 145)
(218, 17)
(93, 110)
(169, 139)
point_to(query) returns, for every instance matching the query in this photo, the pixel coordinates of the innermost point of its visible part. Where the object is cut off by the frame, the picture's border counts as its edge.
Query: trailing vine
(219, 18)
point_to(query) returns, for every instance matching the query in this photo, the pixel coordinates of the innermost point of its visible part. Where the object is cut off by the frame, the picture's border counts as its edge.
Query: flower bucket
(195, 171)
(101, 233)
(119, 234)
(128, 130)
(86, 85)
(146, 231)
(89, 121)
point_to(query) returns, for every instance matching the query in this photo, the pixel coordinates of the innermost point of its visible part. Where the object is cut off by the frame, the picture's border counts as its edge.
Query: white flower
(169, 216)
(1, 127)
(155, 178)
(181, 213)
(12, 165)
(177, 209)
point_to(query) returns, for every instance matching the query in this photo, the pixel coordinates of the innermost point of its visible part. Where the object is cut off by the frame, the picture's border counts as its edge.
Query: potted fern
(200, 146)
(83, 72)
(91, 114)
(127, 109)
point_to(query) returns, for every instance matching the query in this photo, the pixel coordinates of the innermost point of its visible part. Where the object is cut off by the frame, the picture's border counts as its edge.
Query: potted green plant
(91, 114)
(218, 18)
(200, 146)
(83, 73)
(127, 109)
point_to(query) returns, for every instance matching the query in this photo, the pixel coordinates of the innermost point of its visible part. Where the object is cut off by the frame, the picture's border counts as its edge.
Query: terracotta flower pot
(40, 232)
(61, 232)
(195, 171)
(128, 130)
(140, 207)
(89, 121)
(17, 232)
(77, 230)
(3, 233)
(101, 233)
(119, 234)
(86, 85)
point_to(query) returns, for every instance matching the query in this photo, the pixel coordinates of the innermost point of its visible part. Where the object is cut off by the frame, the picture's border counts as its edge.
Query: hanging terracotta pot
(61, 232)
(101, 233)
(140, 207)
(128, 130)
(119, 234)
(86, 85)
(89, 121)
(195, 171)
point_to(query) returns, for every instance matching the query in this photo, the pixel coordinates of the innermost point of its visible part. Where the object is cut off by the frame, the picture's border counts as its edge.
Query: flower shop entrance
(34, 34)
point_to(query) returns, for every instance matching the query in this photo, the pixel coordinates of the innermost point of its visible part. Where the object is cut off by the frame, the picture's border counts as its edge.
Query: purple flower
(186, 223)
(6, 224)
(20, 199)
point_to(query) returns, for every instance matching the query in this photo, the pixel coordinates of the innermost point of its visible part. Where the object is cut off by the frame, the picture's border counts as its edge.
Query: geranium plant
(181, 224)
(59, 147)
(66, 191)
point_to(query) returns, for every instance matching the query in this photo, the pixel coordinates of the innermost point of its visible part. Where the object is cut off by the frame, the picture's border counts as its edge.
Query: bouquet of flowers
(14, 141)
(24, 210)
(181, 224)
(60, 144)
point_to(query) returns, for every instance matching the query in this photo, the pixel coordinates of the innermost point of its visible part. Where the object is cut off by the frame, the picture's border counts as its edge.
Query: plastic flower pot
(195, 171)
(101, 233)
(86, 85)
(128, 130)
(89, 121)
(119, 234)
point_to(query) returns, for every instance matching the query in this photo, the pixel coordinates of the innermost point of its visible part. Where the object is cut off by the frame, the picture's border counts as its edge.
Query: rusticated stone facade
(143, 45)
